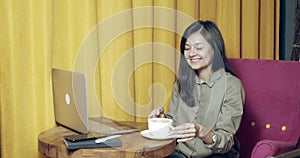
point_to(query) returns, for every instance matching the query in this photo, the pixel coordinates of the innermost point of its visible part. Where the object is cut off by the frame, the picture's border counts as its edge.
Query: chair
(271, 122)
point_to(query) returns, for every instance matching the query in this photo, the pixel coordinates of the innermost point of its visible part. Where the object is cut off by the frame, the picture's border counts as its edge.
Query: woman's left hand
(188, 131)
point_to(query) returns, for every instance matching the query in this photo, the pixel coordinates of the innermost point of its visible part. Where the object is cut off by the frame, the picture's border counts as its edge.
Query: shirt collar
(213, 78)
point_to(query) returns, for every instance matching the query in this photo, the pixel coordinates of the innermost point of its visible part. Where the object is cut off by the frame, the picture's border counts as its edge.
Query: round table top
(51, 144)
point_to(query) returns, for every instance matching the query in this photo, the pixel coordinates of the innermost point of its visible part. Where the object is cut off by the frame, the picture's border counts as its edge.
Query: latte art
(161, 121)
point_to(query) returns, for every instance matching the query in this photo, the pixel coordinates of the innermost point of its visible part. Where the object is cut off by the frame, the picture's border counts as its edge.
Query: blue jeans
(175, 154)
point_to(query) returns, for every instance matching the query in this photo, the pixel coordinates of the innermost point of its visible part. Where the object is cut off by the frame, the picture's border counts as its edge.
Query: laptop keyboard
(108, 128)
(98, 127)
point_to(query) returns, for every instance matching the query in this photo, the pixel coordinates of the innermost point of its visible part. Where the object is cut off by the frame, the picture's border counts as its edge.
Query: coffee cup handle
(171, 127)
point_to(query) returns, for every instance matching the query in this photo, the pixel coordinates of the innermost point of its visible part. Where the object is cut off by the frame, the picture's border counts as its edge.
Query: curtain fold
(296, 41)
(26, 102)
(114, 100)
(142, 53)
(129, 49)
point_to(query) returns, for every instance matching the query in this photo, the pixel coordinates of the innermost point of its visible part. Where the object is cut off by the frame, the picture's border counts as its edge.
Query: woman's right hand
(157, 112)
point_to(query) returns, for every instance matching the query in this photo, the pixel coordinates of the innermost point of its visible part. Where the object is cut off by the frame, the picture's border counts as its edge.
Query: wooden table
(50, 144)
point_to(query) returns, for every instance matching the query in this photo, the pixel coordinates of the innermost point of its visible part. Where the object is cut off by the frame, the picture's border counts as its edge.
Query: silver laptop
(71, 107)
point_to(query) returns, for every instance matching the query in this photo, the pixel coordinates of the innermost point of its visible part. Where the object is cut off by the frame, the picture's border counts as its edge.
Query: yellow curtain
(129, 49)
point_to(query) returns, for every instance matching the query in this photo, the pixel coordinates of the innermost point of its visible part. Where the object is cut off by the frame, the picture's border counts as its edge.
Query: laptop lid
(71, 107)
(69, 98)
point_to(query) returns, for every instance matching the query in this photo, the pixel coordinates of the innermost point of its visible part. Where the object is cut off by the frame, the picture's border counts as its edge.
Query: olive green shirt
(219, 107)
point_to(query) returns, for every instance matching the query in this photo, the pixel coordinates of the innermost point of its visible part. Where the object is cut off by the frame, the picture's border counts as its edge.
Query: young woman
(207, 101)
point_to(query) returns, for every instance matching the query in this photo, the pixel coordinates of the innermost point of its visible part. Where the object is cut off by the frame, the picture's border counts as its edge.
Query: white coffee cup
(160, 127)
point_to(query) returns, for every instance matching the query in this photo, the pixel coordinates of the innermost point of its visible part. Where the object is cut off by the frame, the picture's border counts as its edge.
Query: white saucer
(148, 135)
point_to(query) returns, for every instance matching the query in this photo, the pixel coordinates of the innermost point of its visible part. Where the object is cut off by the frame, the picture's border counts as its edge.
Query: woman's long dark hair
(186, 75)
